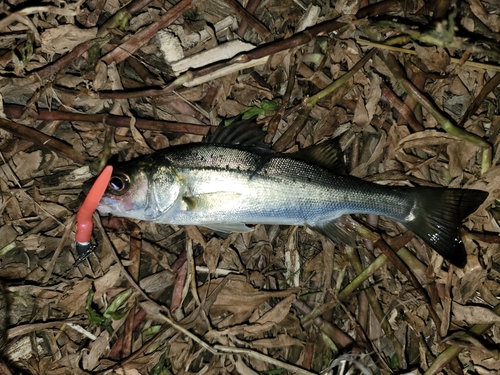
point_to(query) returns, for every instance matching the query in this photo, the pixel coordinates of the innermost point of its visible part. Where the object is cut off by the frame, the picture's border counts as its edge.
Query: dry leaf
(110, 280)
(243, 369)
(257, 310)
(435, 58)
(278, 342)
(7, 235)
(99, 348)
(75, 298)
(211, 254)
(64, 38)
(238, 296)
(278, 312)
(474, 314)
(372, 95)
(491, 20)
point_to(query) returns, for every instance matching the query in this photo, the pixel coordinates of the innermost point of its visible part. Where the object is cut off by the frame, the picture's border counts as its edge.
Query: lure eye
(119, 184)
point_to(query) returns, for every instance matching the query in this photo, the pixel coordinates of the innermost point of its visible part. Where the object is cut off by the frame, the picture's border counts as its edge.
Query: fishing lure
(84, 215)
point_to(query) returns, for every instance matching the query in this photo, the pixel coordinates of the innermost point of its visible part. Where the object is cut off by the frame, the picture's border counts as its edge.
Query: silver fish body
(210, 185)
(226, 186)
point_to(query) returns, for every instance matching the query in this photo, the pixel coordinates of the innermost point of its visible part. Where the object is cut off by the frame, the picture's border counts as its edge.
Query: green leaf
(270, 105)
(251, 112)
(117, 303)
(152, 330)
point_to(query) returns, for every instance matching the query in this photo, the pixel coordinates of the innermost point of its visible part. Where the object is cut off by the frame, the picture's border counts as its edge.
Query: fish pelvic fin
(437, 217)
(228, 227)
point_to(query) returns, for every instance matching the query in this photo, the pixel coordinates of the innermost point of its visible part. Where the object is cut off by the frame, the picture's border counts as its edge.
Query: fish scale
(272, 190)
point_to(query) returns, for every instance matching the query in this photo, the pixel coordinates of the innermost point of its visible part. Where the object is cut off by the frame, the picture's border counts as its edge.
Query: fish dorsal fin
(243, 133)
(327, 155)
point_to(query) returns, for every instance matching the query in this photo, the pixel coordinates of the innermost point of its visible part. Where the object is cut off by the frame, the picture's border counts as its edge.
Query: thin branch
(454, 60)
(42, 140)
(16, 111)
(249, 18)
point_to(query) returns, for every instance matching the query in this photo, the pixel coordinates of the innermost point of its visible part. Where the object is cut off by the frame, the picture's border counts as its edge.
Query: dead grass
(81, 81)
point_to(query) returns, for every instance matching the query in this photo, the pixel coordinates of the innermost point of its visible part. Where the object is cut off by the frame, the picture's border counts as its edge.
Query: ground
(409, 89)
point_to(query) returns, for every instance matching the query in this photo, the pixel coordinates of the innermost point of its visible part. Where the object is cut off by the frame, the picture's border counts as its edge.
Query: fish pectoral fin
(208, 200)
(336, 231)
(228, 227)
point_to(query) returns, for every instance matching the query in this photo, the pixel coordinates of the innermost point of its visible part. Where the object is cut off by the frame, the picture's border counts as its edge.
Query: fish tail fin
(437, 218)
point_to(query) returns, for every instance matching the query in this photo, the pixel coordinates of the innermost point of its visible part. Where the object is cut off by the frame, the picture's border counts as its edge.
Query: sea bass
(231, 179)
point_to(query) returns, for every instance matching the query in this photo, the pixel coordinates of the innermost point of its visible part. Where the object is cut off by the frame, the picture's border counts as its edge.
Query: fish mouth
(105, 207)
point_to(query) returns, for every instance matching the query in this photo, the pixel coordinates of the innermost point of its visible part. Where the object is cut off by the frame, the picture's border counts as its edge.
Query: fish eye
(119, 184)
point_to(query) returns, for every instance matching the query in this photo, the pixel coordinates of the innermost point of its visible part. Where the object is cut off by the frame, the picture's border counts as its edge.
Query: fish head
(143, 190)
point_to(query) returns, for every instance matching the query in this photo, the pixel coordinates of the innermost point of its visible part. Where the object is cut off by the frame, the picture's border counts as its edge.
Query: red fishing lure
(84, 215)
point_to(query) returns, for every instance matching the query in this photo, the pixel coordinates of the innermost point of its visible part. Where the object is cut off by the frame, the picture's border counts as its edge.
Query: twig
(251, 7)
(275, 120)
(188, 333)
(474, 106)
(249, 18)
(341, 338)
(125, 273)
(15, 111)
(79, 50)
(67, 232)
(400, 265)
(43, 140)
(122, 16)
(402, 108)
(24, 329)
(472, 64)
(70, 10)
(353, 257)
(192, 270)
(406, 255)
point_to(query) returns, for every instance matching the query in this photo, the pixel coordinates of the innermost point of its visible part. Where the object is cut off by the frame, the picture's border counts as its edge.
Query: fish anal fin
(337, 231)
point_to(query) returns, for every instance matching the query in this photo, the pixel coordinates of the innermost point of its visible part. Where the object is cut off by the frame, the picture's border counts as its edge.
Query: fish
(233, 179)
